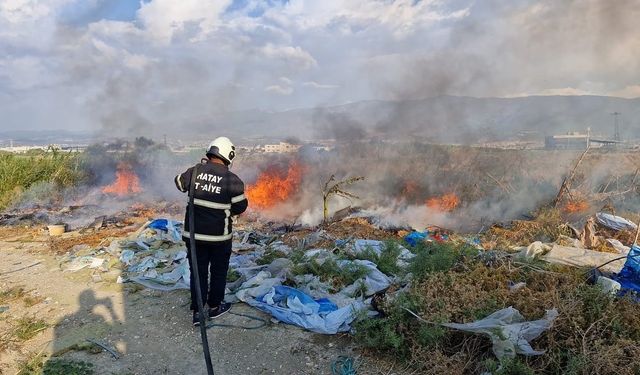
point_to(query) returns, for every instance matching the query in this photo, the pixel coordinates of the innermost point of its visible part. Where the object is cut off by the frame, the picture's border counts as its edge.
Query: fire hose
(196, 276)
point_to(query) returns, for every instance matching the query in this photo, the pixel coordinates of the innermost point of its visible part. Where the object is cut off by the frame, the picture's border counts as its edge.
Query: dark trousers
(213, 264)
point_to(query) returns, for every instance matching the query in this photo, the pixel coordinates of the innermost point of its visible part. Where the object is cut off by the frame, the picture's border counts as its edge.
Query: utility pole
(616, 125)
(165, 139)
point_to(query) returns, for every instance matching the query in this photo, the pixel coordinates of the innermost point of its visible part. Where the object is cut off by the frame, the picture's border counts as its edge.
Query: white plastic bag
(509, 332)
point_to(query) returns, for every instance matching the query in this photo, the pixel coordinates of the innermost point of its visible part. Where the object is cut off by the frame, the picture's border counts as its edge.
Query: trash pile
(319, 289)
(431, 297)
(604, 245)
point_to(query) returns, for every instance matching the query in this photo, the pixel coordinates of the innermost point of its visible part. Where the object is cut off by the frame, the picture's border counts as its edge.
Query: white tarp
(573, 256)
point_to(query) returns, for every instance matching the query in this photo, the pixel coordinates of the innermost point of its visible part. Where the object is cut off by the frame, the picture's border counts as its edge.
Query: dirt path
(150, 330)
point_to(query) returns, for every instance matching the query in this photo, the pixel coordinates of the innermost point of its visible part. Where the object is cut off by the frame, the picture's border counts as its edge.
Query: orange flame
(126, 182)
(445, 203)
(274, 187)
(576, 206)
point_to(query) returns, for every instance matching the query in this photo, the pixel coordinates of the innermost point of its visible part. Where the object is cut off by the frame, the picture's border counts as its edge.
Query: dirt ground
(150, 330)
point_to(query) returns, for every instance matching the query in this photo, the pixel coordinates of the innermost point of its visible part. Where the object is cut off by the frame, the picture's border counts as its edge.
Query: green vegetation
(32, 365)
(387, 260)
(269, 256)
(340, 275)
(27, 327)
(35, 365)
(11, 294)
(18, 173)
(594, 333)
(233, 275)
(438, 257)
(67, 367)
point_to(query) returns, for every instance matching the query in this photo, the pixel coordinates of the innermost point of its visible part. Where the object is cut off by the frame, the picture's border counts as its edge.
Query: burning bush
(275, 186)
(576, 206)
(446, 203)
(127, 182)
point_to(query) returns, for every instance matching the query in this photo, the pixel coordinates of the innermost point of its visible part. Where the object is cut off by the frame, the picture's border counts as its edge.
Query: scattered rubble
(383, 284)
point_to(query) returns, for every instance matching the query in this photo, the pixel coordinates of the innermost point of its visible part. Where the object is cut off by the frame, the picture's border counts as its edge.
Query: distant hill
(441, 119)
(445, 119)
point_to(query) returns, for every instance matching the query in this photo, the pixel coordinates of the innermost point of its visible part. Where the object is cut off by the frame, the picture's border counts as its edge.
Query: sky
(86, 64)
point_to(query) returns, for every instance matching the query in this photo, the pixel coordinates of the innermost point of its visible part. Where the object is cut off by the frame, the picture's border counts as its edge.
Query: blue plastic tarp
(160, 224)
(172, 228)
(629, 276)
(415, 238)
(289, 305)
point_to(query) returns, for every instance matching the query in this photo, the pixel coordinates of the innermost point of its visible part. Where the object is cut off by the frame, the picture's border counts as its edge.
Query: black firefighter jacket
(218, 195)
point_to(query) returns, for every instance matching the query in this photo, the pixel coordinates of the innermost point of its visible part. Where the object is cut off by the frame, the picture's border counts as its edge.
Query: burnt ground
(150, 330)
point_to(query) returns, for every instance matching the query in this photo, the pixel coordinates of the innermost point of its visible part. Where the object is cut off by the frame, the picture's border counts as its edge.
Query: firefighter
(218, 196)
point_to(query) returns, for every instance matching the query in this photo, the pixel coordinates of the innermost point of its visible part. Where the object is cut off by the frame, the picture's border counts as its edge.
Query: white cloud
(20, 11)
(293, 55)
(197, 57)
(317, 85)
(162, 18)
(280, 90)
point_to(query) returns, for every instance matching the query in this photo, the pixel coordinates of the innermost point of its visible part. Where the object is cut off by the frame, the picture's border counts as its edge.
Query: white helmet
(222, 148)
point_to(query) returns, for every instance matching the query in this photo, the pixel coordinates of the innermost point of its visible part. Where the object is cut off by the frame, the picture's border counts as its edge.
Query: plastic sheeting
(292, 306)
(629, 276)
(415, 237)
(615, 222)
(171, 227)
(509, 332)
(573, 256)
(378, 246)
(374, 282)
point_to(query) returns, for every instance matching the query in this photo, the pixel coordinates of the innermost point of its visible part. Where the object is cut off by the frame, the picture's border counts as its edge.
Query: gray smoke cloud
(177, 68)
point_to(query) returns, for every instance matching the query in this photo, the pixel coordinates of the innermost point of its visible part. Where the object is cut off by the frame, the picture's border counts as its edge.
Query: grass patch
(18, 173)
(67, 367)
(594, 333)
(547, 225)
(387, 260)
(5, 341)
(329, 270)
(32, 365)
(26, 328)
(510, 366)
(29, 301)
(233, 275)
(269, 256)
(11, 294)
(438, 257)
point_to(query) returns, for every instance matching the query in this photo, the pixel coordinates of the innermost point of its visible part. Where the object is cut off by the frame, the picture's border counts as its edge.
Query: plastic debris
(155, 257)
(514, 287)
(415, 237)
(83, 262)
(615, 222)
(618, 246)
(292, 306)
(572, 256)
(509, 332)
(608, 285)
(629, 276)
(374, 282)
(360, 246)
